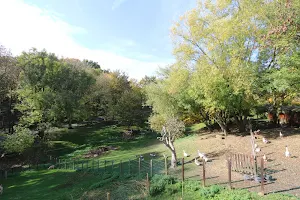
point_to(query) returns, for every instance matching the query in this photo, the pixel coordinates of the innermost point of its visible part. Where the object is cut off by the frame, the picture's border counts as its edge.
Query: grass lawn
(70, 184)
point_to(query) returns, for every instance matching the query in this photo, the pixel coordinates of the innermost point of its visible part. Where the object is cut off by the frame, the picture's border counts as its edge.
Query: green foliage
(22, 139)
(210, 192)
(159, 183)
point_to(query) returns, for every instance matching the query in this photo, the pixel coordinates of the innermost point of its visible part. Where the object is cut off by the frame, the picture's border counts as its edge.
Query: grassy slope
(57, 184)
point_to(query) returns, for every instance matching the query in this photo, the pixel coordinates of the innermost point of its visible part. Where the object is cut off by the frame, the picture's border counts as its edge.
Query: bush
(173, 188)
(159, 183)
(211, 191)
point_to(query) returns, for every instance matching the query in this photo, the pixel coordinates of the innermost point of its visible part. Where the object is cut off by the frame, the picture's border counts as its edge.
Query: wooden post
(229, 172)
(182, 169)
(129, 166)
(151, 168)
(121, 168)
(5, 174)
(262, 190)
(166, 165)
(139, 166)
(203, 177)
(148, 183)
(108, 196)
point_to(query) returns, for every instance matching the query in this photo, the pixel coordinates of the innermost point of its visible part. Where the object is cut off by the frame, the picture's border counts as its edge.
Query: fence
(186, 169)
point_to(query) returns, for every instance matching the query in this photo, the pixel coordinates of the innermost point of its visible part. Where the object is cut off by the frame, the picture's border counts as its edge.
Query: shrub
(159, 183)
(211, 191)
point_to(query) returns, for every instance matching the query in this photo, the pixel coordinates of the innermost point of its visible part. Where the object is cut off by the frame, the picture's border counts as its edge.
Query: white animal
(205, 158)
(257, 149)
(1, 189)
(256, 132)
(265, 140)
(141, 157)
(152, 155)
(185, 154)
(280, 135)
(265, 158)
(197, 162)
(201, 155)
(51, 167)
(287, 153)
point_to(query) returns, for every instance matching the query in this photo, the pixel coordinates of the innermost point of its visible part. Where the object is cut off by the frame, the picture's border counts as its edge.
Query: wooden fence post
(129, 167)
(121, 168)
(262, 189)
(166, 165)
(108, 196)
(5, 174)
(148, 183)
(182, 169)
(203, 176)
(151, 168)
(139, 166)
(229, 172)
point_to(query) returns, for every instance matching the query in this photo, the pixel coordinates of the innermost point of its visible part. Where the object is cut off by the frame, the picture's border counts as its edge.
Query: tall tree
(9, 77)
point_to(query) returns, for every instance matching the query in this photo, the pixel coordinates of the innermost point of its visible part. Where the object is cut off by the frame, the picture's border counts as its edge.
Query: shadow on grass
(83, 139)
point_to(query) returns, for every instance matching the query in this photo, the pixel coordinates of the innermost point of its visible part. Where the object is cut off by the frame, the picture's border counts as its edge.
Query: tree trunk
(174, 159)
(223, 127)
(241, 123)
(70, 123)
(174, 156)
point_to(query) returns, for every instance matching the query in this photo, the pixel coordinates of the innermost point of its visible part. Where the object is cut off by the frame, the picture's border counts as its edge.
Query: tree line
(40, 91)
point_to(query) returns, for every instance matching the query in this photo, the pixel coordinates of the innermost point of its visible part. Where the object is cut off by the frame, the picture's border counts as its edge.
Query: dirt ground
(285, 171)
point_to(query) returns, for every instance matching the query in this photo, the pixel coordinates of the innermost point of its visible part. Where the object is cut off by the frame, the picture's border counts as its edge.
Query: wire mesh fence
(208, 173)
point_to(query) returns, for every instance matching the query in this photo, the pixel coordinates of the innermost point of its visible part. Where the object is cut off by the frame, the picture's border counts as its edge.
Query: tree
(70, 86)
(51, 90)
(18, 142)
(92, 64)
(9, 77)
(218, 41)
(130, 106)
(172, 129)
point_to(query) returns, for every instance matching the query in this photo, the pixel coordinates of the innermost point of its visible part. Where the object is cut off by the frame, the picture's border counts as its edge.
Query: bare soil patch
(285, 171)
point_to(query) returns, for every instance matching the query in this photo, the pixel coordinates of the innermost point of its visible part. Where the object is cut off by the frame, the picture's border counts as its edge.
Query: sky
(130, 35)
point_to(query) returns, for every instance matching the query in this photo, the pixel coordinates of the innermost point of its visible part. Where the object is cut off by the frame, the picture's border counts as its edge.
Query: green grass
(93, 184)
